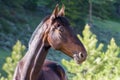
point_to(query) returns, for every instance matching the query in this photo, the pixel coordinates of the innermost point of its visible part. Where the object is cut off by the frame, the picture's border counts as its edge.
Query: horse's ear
(55, 12)
(62, 11)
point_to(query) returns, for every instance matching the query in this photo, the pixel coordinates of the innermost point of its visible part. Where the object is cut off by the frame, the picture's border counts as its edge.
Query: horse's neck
(32, 64)
(34, 58)
(38, 63)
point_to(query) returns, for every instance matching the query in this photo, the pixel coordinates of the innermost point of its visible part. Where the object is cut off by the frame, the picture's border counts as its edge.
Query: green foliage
(99, 65)
(11, 62)
(77, 12)
(14, 23)
(16, 18)
(105, 7)
(31, 4)
(13, 3)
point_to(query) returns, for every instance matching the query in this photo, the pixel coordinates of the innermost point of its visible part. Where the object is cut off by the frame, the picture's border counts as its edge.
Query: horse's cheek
(54, 40)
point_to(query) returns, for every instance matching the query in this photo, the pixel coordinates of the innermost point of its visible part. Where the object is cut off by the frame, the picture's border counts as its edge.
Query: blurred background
(97, 23)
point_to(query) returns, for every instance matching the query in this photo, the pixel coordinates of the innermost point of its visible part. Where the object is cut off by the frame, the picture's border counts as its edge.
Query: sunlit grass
(107, 25)
(114, 26)
(106, 29)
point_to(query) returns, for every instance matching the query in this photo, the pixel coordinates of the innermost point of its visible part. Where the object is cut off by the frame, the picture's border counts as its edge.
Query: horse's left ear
(55, 12)
(62, 11)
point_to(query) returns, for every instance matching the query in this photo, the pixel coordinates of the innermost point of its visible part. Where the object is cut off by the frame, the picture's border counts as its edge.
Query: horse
(53, 31)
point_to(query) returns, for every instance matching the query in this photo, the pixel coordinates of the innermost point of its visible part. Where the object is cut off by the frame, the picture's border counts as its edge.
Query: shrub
(11, 62)
(99, 65)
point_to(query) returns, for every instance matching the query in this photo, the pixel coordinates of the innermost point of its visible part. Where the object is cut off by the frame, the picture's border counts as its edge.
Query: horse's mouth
(79, 58)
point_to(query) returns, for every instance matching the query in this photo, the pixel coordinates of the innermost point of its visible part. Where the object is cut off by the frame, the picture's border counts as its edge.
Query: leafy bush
(11, 62)
(100, 64)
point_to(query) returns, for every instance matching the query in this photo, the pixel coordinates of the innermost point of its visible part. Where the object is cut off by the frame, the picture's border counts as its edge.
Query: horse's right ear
(62, 11)
(55, 12)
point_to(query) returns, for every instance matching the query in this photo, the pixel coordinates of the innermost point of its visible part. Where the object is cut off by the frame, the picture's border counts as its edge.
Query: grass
(105, 30)
(114, 26)
(108, 25)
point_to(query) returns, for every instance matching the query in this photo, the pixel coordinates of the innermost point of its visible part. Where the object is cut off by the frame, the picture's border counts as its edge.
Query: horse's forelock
(63, 20)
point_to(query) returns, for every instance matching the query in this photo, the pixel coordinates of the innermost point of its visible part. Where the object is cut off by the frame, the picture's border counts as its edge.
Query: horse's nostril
(81, 55)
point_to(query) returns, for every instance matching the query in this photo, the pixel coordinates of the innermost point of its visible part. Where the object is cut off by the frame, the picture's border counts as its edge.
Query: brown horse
(54, 31)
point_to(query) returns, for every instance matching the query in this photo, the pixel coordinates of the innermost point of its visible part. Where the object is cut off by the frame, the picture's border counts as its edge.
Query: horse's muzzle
(80, 57)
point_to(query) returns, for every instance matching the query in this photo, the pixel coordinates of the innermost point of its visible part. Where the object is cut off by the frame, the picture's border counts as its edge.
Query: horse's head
(61, 37)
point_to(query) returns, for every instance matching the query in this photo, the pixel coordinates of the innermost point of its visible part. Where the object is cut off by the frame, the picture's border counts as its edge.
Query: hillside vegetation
(19, 17)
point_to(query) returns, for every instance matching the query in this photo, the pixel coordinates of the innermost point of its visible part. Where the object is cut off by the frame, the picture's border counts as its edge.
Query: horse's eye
(58, 25)
(60, 28)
